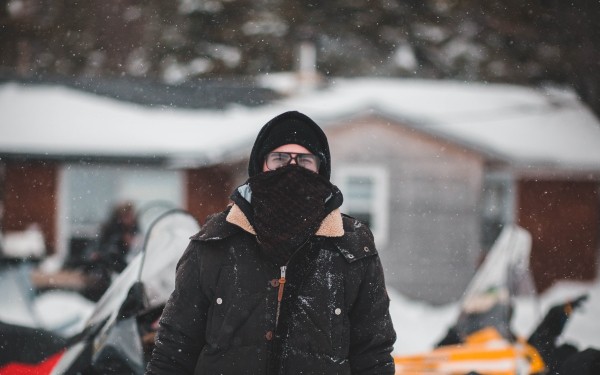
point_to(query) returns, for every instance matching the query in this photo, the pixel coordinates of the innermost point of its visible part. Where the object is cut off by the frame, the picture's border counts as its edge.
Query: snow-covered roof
(523, 125)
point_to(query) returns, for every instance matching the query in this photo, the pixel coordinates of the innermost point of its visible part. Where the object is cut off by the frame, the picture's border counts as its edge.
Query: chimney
(307, 75)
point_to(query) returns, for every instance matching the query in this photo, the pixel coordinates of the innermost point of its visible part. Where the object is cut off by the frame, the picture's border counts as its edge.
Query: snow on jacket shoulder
(223, 316)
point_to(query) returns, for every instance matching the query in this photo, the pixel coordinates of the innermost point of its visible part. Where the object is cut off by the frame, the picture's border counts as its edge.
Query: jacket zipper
(282, 282)
(280, 293)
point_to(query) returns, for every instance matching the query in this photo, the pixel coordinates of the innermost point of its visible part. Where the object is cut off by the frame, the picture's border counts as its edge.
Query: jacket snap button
(219, 301)
(338, 311)
(366, 249)
(269, 335)
(274, 283)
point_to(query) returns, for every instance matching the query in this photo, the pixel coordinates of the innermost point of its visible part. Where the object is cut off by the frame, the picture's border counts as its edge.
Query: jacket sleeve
(372, 334)
(180, 336)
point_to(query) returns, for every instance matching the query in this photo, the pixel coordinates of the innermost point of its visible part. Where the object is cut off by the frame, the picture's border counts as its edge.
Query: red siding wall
(564, 220)
(30, 197)
(208, 190)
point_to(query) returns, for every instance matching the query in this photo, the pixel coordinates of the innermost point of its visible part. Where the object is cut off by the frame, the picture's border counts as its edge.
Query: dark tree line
(534, 42)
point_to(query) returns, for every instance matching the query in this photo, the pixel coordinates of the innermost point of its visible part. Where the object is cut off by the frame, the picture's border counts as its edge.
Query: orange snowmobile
(481, 341)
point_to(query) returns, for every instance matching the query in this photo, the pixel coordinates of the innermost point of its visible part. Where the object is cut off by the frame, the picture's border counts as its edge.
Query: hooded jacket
(224, 316)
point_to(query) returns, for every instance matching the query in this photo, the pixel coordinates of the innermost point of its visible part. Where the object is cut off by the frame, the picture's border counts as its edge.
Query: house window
(497, 207)
(366, 192)
(88, 193)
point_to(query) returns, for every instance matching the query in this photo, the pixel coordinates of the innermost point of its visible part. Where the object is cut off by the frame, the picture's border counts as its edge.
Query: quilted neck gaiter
(288, 206)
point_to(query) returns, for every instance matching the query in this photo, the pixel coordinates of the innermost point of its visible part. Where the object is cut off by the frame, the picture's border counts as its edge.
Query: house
(436, 168)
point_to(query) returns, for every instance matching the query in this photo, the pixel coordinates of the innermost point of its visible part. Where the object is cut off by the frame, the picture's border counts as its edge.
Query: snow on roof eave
(521, 165)
(419, 118)
(175, 134)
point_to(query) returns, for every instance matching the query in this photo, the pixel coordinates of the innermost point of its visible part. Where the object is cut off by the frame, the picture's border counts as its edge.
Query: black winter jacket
(223, 316)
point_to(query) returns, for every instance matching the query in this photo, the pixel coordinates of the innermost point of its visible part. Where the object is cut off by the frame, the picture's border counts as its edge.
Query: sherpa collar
(331, 226)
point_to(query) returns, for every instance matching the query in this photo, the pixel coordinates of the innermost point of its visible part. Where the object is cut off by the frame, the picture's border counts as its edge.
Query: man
(280, 282)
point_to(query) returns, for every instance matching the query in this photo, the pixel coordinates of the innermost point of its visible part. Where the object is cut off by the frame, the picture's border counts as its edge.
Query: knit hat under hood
(290, 128)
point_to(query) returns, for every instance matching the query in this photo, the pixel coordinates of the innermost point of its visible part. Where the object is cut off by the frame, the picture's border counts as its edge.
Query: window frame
(379, 206)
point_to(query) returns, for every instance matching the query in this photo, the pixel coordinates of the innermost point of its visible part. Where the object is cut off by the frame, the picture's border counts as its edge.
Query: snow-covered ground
(419, 325)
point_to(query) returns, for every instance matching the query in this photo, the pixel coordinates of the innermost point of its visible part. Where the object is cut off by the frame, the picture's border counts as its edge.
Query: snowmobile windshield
(167, 240)
(114, 296)
(489, 299)
(164, 244)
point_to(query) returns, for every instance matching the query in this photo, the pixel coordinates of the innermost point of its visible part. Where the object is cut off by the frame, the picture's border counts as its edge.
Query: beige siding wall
(433, 245)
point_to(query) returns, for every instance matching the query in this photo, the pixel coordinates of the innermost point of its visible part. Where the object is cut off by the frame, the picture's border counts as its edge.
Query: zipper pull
(280, 294)
(281, 284)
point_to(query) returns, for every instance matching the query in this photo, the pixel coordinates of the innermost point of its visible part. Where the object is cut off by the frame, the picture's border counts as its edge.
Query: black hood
(290, 128)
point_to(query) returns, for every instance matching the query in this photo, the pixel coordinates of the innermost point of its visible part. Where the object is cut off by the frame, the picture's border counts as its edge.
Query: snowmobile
(481, 340)
(119, 335)
(28, 284)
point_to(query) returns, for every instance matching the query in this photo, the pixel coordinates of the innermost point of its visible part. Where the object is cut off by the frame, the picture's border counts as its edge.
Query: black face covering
(288, 206)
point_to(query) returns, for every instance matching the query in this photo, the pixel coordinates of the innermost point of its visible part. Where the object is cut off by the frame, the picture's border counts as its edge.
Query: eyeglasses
(276, 160)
